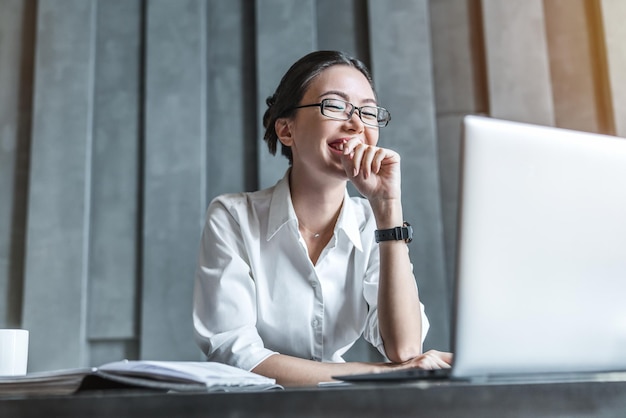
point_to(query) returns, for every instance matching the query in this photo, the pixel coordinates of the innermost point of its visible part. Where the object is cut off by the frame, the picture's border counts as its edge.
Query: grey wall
(121, 119)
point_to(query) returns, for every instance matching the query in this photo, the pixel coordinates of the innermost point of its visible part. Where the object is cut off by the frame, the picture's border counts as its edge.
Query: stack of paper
(180, 376)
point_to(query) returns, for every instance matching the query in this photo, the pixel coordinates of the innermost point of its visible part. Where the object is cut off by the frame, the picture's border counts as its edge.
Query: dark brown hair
(294, 84)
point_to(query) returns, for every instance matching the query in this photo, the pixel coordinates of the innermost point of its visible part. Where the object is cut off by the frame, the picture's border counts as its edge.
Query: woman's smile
(336, 146)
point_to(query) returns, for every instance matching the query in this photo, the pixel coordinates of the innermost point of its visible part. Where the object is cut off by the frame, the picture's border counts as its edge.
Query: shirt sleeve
(370, 293)
(224, 303)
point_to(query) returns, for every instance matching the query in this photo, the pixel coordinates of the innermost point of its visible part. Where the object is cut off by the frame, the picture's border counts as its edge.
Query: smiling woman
(289, 277)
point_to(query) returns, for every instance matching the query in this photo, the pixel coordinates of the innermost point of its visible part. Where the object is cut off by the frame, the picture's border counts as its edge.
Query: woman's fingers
(366, 159)
(433, 359)
(374, 171)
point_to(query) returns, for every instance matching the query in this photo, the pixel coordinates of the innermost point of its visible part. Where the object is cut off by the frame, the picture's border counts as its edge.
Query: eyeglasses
(342, 110)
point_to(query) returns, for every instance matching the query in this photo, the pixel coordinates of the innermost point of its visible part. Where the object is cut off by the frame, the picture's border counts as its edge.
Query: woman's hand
(374, 171)
(431, 359)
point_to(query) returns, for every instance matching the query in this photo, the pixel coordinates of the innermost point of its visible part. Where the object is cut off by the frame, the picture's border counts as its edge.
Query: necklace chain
(320, 233)
(314, 234)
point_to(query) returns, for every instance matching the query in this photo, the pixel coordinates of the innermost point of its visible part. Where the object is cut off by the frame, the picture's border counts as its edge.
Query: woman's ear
(282, 126)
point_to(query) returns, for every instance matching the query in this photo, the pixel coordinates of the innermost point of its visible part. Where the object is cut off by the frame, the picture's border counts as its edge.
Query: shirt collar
(282, 212)
(347, 222)
(281, 207)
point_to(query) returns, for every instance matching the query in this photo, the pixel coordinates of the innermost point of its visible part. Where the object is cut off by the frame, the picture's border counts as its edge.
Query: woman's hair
(294, 84)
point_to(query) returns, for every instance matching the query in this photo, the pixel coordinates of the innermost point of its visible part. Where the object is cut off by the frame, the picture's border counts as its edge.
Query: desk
(574, 399)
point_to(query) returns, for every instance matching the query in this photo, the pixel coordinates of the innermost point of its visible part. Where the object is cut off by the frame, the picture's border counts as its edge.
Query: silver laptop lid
(541, 275)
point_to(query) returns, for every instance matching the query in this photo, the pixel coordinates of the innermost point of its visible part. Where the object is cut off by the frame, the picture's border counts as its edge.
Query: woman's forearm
(294, 371)
(399, 314)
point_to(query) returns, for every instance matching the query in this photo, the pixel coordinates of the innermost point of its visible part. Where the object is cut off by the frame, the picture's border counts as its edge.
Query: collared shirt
(257, 292)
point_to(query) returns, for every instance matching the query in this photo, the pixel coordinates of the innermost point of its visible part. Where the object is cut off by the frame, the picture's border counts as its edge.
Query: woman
(291, 276)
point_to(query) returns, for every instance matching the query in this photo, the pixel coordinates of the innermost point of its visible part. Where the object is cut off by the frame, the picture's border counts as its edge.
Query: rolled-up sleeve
(224, 305)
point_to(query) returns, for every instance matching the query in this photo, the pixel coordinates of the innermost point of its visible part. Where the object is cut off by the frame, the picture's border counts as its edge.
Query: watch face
(409, 229)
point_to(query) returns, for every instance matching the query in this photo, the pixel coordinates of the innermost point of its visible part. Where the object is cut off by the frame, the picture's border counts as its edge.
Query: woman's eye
(335, 107)
(369, 114)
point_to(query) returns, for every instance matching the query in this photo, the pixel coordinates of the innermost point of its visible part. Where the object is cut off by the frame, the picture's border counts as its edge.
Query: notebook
(540, 287)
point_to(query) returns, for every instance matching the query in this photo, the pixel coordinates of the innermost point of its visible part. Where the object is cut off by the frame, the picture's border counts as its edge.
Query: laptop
(540, 286)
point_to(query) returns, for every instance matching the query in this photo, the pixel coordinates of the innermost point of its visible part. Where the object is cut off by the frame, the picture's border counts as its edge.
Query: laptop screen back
(541, 273)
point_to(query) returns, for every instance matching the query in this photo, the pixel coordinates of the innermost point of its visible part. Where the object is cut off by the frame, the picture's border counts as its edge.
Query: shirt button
(314, 323)
(313, 284)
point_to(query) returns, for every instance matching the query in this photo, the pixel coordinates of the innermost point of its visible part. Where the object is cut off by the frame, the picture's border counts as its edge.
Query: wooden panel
(175, 139)
(574, 87)
(114, 195)
(517, 61)
(58, 213)
(614, 15)
(285, 32)
(402, 67)
(456, 57)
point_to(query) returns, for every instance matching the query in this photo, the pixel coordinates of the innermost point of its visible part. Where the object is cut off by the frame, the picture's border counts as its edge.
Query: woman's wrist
(390, 366)
(388, 213)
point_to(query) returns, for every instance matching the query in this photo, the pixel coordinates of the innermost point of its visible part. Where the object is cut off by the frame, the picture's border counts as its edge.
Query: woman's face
(314, 138)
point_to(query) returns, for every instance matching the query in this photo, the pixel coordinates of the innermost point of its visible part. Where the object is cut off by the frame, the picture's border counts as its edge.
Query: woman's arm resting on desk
(376, 175)
(293, 371)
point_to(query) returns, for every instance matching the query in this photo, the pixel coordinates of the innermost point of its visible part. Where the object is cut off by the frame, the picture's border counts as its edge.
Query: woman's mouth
(337, 145)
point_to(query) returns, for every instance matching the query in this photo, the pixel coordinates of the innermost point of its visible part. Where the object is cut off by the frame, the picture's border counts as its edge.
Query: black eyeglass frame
(322, 105)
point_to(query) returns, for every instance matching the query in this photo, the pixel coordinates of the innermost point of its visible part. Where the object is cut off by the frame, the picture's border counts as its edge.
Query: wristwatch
(404, 232)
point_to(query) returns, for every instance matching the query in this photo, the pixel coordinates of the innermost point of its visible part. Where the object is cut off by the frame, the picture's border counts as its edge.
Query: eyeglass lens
(370, 115)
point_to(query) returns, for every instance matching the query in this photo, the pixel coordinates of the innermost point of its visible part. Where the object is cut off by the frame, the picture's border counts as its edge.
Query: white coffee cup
(13, 352)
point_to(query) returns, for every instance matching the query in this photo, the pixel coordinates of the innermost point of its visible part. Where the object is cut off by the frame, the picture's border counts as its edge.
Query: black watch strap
(399, 233)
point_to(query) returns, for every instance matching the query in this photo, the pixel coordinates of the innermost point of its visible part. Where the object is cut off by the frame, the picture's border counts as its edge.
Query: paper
(210, 374)
(180, 376)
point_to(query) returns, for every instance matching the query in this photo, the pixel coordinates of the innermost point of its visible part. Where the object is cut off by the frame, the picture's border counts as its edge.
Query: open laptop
(541, 271)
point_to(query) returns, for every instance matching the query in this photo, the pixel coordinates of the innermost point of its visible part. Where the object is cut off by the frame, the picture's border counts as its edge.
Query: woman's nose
(355, 123)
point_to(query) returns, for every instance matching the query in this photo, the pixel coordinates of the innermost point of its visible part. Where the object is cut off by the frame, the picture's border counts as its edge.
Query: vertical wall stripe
(84, 297)
(174, 125)
(457, 61)
(203, 140)
(517, 61)
(612, 14)
(340, 27)
(569, 30)
(285, 32)
(114, 193)
(17, 28)
(54, 288)
(231, 126)
(402, 70)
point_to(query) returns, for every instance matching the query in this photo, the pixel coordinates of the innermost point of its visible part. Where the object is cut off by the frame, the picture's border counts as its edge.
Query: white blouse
(257, 293)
